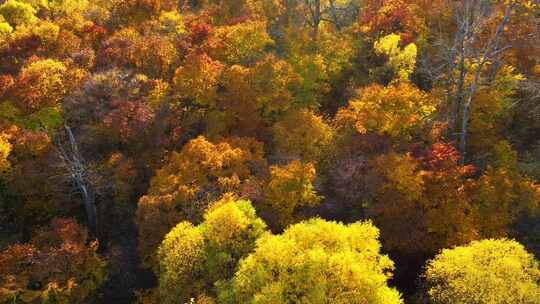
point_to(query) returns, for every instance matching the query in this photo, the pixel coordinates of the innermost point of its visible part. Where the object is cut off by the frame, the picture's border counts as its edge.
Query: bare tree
(471, 61)
(78, 174)
(491, 53)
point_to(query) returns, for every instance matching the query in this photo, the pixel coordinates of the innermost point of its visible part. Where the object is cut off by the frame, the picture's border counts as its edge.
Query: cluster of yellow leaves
(5, 150)
(491, 111)
(308, 142)
(5, 28)
(64, 7)
(172, 22)
(402, 61)
(317, 262)
(401, 173)
(396, 110)
(41, 84)
(17, 12)
(193, 258)
(181, 257)
(314, 78)
(263, 87)
(337, 50)
(242, 43)
(396, 201)
(484, 272)
(201, 162)
(503, 193)
(158, 94)
(199, 172)
(290, 187)
(47, 31)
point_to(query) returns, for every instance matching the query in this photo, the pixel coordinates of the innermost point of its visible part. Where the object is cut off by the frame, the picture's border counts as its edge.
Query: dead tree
(78, 175)
(465, 51)
(491, 54)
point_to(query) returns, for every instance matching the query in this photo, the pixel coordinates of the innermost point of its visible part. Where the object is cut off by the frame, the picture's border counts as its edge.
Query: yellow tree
(290, 187)
(397, 110)
(43, 83)
(421, 205)
(396, 207)
(18, 12)
(253, 97)
(302, 134)
(241, 43)
(401, 61)
(195, 260)
(487, 271)
(5, 150)
(190, 179)
(316, 262)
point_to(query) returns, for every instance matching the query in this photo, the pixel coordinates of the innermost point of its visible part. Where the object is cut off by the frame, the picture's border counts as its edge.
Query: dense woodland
(270, 151)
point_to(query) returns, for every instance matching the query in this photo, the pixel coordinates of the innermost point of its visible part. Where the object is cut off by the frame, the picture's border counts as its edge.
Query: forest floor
(119, 247)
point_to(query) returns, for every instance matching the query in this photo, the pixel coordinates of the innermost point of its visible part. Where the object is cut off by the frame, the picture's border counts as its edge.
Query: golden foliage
(396, 110)
(487, 271)
(402, 61)
(200, 171)
(290, 188)
(193, 258)
(198, 79)
(242, 43)
(317, 262)
(308, 142)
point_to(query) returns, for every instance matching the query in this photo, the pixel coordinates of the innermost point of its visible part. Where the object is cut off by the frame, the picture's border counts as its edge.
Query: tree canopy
(269, 151)
(488, 271)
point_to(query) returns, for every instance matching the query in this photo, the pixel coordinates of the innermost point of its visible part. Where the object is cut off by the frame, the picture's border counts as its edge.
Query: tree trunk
(463, 134)
(91, 213)
(316, 19)
(80, 177)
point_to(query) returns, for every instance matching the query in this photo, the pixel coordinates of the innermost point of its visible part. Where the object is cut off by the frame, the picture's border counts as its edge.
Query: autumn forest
(270, 151)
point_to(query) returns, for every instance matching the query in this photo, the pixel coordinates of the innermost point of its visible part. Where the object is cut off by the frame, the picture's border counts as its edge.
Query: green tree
(487, 271)
(316, 262)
